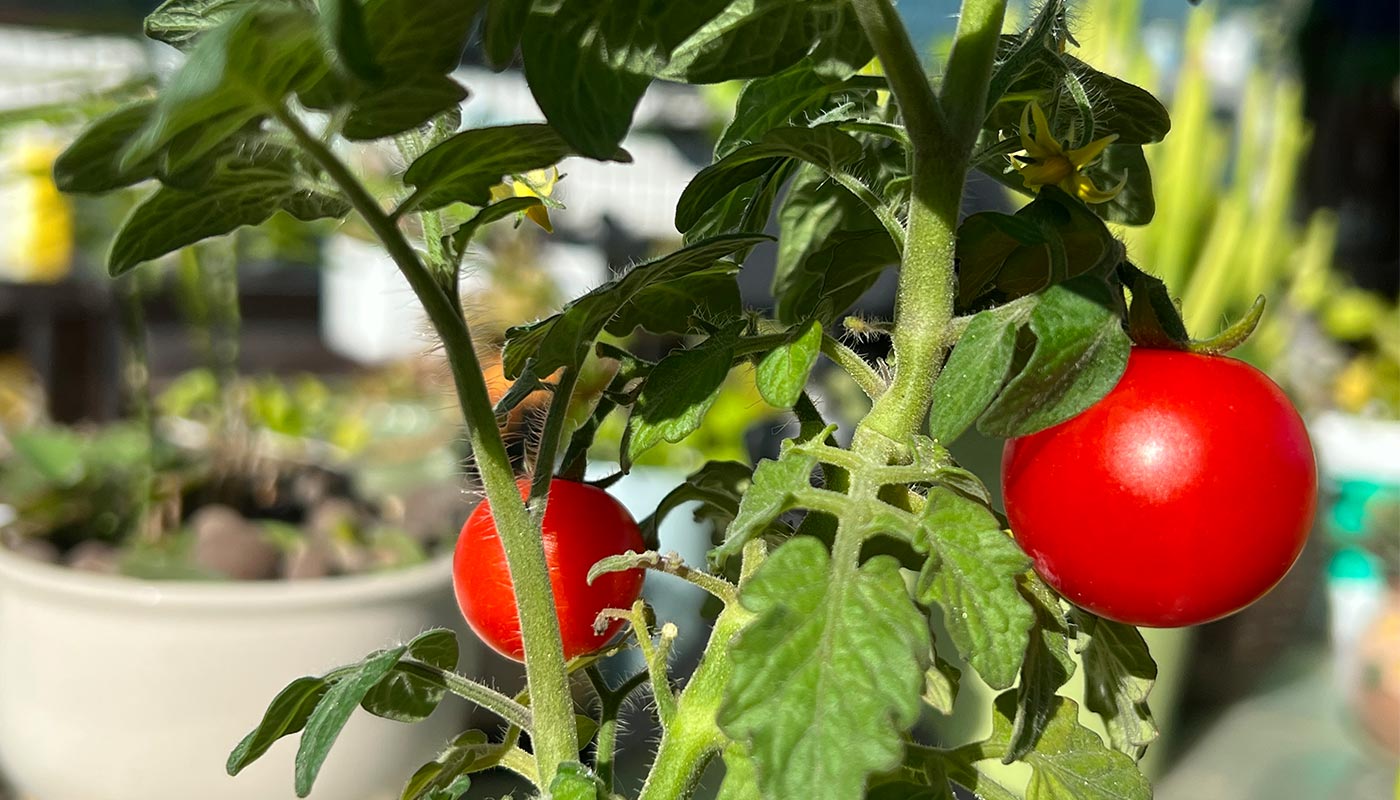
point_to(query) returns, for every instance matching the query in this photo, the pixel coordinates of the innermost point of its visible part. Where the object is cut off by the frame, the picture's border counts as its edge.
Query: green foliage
(818, 672)
(827, 676)
(972, 572)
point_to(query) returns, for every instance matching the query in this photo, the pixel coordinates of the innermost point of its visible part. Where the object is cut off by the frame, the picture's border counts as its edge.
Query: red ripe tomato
(582, 524)
(1182, 496)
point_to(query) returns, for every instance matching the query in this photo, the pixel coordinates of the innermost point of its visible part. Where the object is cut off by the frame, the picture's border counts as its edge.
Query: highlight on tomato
(1181, 497)
(582, 525)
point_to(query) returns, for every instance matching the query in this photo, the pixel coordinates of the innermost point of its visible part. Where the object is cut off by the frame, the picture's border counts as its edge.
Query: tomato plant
(581, 526)
(821, 660)
(1182, 496)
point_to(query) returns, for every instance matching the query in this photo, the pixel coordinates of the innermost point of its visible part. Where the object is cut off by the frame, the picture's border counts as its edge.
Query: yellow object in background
(36, 220)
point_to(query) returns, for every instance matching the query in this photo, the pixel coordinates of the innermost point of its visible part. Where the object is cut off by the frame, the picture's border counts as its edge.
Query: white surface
(113, 688)
(1357, 447)
(368, 312)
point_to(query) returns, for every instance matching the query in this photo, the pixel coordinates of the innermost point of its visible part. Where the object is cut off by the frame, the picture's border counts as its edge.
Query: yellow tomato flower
(535, 183)
(1047, 163)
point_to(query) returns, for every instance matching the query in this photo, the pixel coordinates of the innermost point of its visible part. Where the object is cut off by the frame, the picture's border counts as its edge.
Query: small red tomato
(1182, 496)
(582, 525)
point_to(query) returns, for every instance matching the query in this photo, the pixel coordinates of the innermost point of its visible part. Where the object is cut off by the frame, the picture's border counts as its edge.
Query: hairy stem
(964, 90)
(554, 734)
(549, 443)
(858, 368)
(483, 696)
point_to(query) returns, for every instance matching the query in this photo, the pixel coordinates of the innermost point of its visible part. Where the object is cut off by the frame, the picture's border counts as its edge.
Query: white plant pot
(113, 688)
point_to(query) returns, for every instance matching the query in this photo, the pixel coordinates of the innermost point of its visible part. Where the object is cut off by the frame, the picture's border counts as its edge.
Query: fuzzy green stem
(554, 735)
(927, 286)
(549, 442)
(481, 695)
(858, 368)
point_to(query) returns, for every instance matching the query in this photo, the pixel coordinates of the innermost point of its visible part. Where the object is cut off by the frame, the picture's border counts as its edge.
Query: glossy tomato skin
(1181, 497)
(582, 524)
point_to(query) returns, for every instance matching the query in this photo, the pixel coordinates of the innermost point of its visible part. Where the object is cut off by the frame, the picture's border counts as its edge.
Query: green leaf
(746, 209)
(740, 779)
(466, 166)
(400, 107)
(1080, 353)
(1153, 318)
(413, 38)
(680, 389)
(986, 241)
(1120, 107)
(500, 33)
(717, 486)
(832, 247)
(1046, 668)
(975, 372)
(445, 777)
(238, 194)
(768, 497)
(180, 23)
(344, 23)
(574, 781)
(404, 697)
(93, 162)
(826, 147)
(286, 715)
(755, 38)
(1134, 205)
(565, 338)
(941, 681)
(971, 572)
(334, 710)
(782, 374)
(905, 790)
(1118, 675)
(588, 62)
(1070, 762)
(827, 678)
(674, 306)
(236, 73)
(500, 209)
(770, 102)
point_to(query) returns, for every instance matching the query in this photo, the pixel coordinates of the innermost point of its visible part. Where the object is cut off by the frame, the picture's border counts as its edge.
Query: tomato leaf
(941, 681)
(564, 338)
(180, 23)
(717, 486)
(827, 678)
(286, 715)
(971, 572)
(770, 102)
(400, 107)
(414, 38)
(740, 778)
(674, 306)
(1134, 205)
(905, 790)
(574, 781)
(680, 389)
(501, 30)
(588, 62)
(782, 374)
(465, 167)
(334, 710)
(1047, 667)
(236, 73)
(831, 248)
(1119, 673)
(1080, 353)
(974, 374)
(93, 162)
(238, 194)
(753, 38)
(1070, 762)
(344, 24)
(405, 697)
(445, 777)
(768, 497)
(824, 146)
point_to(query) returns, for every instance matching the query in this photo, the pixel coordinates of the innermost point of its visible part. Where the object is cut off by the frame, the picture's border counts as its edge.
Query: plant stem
(549, 443)
(554, 736)
(694, 734)
(964, 91)
(858, 368)
(483, 696)
(927, 286)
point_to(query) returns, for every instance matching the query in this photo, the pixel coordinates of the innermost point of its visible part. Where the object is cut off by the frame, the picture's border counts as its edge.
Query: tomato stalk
(554, 735)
